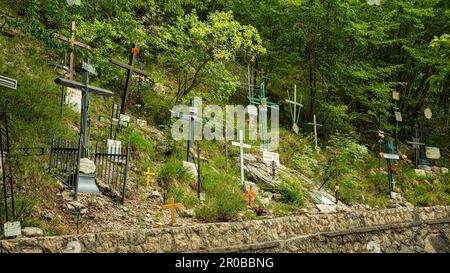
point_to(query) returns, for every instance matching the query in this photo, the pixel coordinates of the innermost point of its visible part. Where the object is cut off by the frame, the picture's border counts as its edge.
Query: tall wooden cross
(294, 104)
(148, 174)
(172, 206)
(192, 118)
(416, 145)
(130, 70)
(241, 146)
(390, 156)
(73, 43)
(197, 157)
(315, 124)
(251, 195)
(263, 103)
(86, 89)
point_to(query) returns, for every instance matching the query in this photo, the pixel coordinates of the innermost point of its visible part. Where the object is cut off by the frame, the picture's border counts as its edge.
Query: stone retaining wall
(390, 230)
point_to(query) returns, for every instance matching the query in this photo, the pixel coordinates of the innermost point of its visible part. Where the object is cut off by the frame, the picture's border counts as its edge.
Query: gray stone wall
(390, 230)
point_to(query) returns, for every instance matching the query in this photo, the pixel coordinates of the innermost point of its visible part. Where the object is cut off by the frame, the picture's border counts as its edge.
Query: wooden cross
(172, 206)
(73, 43)
(295, 104)
(86, 90)
(315, 124)
(241, 146)
(191, 117)
(130, 70)
(197, 157)
(148, 174)
(263, 102)
(416, 145)
(390, 165)
(251, 196)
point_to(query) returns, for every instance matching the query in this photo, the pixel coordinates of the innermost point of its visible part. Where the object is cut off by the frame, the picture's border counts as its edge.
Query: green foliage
(224, 198)
(292, 193)
(172, 172)
(179, 194)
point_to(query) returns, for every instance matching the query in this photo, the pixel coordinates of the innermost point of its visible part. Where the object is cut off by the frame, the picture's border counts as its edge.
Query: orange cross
(172, 206)
(251, 195)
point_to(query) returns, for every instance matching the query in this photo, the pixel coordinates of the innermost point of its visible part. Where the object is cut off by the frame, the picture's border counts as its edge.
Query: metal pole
(241, 140)
(8, 159)
(315, 130)
(4, 175)
(126, 174)
(190, 134)
(198, 172)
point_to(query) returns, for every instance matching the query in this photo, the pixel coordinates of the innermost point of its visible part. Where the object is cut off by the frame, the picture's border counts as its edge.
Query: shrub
(172, 172)
(292, 193)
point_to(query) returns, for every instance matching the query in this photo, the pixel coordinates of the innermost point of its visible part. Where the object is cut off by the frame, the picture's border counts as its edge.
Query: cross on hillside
(86, 90)
(263, 103)
(315, 124)
(130, 70)
(148, 174)
(390, 148)
(198, 159)
(113, 121)
(172, 206)
(241, 146)
(73, 43)
(416, 145)
(294, 104)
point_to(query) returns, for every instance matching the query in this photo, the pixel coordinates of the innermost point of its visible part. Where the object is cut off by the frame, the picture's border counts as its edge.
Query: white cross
(315, 124)
(241, 145)
(294, 115)
(191, 117)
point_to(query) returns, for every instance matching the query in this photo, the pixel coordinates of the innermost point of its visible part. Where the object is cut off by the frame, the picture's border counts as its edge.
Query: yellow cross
(251, 195)
(172, 206)
(148, 174)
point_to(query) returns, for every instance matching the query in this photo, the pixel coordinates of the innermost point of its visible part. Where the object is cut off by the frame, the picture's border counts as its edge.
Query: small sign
(432, 152)
(252, 110)
(89, 68)
(124, 120)
(396, 95)
(398, 116)
(114, 146)
(12, 229)
(428, 114)
(8, 82)
(391, 156)
(202, 197)
(193, 110)
(295, 128)
(270, 156)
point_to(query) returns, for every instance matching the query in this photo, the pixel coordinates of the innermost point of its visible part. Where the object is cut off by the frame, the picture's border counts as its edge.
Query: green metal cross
(263, 102)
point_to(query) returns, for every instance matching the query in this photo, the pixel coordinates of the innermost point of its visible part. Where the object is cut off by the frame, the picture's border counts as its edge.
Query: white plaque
(141, 122)
(193, 110)
(391, 156)
(432, 152)
(202, 197)
(427, 113)
(270, 156)
(73, 98)
(252, 110)
(114, 146)
(12, 229)
(398, 116)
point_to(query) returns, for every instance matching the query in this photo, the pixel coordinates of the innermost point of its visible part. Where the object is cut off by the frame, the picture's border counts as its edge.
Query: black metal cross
(197, 159)
(416, 145)
(86, 89)
(130, 71)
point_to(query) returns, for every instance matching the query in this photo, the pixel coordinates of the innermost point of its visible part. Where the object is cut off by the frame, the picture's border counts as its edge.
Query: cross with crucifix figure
(148, 174)
(416, 146)
(86, 90)
(113, 121)
(294, 104)
(197, 159)
(73, 43)
(315, 124)
(130, 70)
(263, 103)
(172, 206)
(251, 196)
(390, 156)
(192, 118)
(241, 146)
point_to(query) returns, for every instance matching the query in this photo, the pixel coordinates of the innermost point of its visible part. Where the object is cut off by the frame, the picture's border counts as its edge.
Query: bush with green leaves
(292, 192)
(224, 198)
(173, 172)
